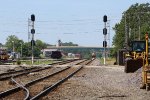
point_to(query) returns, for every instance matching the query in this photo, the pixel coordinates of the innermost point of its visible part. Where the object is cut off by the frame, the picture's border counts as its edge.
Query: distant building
(59, 43)
(47, 52)
(72, 55)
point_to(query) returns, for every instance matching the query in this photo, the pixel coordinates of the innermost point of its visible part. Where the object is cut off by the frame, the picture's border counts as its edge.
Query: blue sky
(77, 21)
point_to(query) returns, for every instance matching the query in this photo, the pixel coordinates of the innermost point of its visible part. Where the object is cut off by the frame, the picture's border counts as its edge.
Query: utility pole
(29, 36)
(126, 33)
(139, 22)
(29, 21)
(108, 38)
(21, 50)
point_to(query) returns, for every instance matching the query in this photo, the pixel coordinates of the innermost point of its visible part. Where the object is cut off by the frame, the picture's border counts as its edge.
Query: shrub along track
(6, 93)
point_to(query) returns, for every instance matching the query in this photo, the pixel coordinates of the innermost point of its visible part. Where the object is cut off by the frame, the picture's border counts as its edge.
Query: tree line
(13, 41)
(19, 45)
(135, 22)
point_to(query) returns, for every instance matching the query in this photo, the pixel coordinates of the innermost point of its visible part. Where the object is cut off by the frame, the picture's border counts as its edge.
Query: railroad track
(41, 83)
(7, 84)
(7, 75)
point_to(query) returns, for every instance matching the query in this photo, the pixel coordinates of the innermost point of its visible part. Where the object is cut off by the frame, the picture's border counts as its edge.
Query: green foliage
(18, 62)
(37, 62)
(1, 63)
(1, 45)
(26, 52)
(13, 40)
(38, 47)
(69, 44)
(41, 45)
(138, 15)
(112, 53)
(26, 47)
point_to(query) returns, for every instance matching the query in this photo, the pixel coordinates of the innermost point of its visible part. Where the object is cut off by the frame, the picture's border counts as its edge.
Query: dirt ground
(98, 82)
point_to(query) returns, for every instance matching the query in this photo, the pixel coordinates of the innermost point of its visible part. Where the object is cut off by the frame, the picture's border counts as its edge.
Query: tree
(26, 49)
(1, 45)
(69, 44)
(13, 42)
(137, 24)
(41, 45)
(38, 47)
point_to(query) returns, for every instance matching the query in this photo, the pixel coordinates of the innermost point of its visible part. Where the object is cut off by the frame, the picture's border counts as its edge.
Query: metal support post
(21, 49)
(139, 27)
(32, 32)
(32, 43)
(126, 33)
(29, 30)
(105, 33)
(108, 38)
(105, 47)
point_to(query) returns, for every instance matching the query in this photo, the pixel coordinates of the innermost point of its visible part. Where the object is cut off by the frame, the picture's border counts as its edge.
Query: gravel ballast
(101, 83)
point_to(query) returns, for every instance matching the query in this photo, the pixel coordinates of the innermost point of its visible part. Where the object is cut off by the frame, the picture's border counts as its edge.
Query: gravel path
(101, 83)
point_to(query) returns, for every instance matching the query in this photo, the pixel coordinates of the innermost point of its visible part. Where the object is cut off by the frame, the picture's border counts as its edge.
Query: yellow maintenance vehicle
(134, 57)
(146, 68)
(3, 55)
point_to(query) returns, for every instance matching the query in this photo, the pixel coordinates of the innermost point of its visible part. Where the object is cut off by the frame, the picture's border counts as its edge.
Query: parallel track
(57, 83)
(6, 93)
(7, 75)
(7, 84)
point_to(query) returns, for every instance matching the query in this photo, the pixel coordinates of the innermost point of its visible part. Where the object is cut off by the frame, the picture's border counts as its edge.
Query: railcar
(56, 54)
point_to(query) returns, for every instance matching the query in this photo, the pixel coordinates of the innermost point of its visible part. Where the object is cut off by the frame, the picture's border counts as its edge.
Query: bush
(18, 62)
(1, 63)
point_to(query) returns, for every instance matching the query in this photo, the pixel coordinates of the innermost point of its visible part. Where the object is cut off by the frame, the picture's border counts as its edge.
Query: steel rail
(23, 87)
(16, 89)
(40, 79)
(55, 85)
(12, 72)
(24, 73)
(52, 87)
(36, 70)
(64, 62)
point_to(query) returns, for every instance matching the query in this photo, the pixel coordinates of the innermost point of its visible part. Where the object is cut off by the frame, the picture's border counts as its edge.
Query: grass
(109, 61)
(36, 62)
(39, 61)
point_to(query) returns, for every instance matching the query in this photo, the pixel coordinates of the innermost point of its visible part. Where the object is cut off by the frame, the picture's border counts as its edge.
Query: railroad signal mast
(105, 33)
(32, 32)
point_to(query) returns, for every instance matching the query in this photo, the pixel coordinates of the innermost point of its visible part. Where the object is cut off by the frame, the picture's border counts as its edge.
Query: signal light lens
(32, 42)
(105, 18)
(33, 17)
(32, 31)
(105, 31)
(104, 43)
